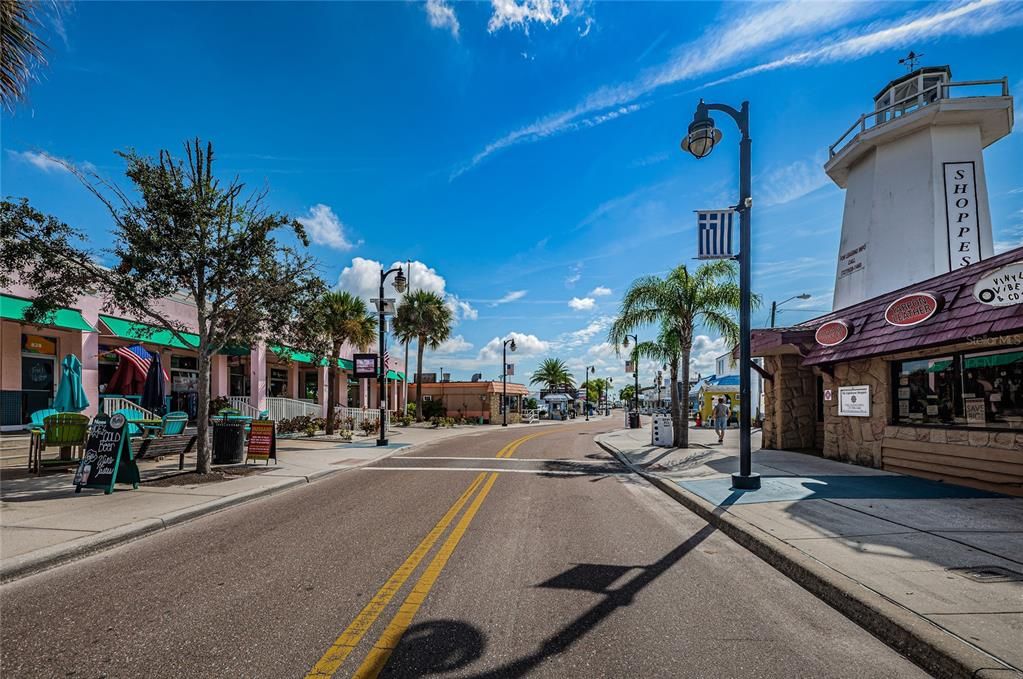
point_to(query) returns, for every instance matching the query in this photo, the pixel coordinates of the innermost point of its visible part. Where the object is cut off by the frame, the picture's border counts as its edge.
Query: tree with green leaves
(344, 319)
(594, 390)
(677, 304)
(22, 51)
(180, 232)
(627, 393)
(553, 374)
(424, 317)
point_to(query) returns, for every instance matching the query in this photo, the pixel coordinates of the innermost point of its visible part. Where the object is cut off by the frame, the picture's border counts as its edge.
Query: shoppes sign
(1003, 287)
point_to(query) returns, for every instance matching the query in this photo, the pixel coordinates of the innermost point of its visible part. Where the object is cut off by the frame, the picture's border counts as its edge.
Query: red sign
(911, 309)
(832, 333)
(262, 441)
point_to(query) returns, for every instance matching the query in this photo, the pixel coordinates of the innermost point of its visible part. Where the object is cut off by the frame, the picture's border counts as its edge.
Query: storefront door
(37, 384)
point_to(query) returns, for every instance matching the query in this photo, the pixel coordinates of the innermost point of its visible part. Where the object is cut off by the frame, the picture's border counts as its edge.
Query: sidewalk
(934, 570)
(43, 521)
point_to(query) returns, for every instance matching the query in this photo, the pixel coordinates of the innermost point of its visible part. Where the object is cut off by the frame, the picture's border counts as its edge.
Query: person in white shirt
(721, 413)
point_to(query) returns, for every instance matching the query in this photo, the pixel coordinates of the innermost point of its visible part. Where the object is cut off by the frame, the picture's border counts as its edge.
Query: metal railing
(910, 104)
(111, 404)
(359, 415)
(530, 416)
(242, 405)
(287, 408)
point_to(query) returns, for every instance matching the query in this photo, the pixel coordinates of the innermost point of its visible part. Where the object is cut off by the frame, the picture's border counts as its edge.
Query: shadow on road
(434, 647)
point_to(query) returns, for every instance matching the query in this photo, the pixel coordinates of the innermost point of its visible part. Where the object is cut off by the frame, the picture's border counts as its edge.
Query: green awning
(994, 360)
(307, 357)
(13, 309)
(150, 334)
(235, 350)
(939, 366)
(395, 375)
(345, 364)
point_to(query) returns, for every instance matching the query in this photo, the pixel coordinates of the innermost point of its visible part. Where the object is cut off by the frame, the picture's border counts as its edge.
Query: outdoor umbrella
(154, 389)
(70, 396)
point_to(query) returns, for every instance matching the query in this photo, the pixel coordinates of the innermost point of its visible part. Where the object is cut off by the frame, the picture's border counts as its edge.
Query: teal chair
(174, 423)
(131, 416)
(38, 432)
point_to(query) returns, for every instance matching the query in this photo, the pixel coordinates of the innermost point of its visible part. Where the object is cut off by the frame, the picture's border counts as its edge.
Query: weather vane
(909, 61)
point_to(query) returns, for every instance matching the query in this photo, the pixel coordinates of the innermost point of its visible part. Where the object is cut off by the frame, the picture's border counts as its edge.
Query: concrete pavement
(935, 569)
(44, 522)
(561, 564)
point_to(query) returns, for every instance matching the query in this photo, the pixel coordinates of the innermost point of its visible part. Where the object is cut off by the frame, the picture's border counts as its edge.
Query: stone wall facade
(790, 404)
(857, 439)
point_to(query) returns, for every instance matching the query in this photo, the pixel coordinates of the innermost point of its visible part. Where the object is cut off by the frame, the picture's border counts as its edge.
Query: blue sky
(526, 154)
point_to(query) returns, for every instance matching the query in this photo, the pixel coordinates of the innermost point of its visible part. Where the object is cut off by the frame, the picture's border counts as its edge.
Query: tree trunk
(683, 440)
(679, 423)
(331, 390)
(202, 447)
(420, 345)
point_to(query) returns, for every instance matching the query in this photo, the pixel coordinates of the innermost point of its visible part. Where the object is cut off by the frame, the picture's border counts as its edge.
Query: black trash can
(633, 420)
(228, 442)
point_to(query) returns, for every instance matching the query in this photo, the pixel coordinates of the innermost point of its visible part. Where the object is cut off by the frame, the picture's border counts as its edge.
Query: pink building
(254, 380)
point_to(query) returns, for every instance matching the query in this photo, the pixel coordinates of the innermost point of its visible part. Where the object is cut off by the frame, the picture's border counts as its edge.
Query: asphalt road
(558, 564)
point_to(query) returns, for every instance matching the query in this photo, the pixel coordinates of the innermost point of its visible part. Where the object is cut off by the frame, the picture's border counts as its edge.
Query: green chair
(62, 430)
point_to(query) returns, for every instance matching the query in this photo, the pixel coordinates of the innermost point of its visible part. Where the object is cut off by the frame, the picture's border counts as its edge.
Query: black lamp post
(399, 285)
(607, 394)
(635, 365)
(504, 380)
(700, 141)
(586, 388)
(775, 305)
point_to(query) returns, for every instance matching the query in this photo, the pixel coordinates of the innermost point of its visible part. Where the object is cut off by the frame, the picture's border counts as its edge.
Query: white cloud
(521, 13)
(454, 345)
(441, 14)
(972, 18)
(704, 354)
(510, 297)
(525, 345)
(600, 291)
(784, 184)
(603, 350)
(462, 309)
(575, 273)
(582, 303)
(41, 161)
(578, 338)
(748, 30)
(362, 278)
(324, 228)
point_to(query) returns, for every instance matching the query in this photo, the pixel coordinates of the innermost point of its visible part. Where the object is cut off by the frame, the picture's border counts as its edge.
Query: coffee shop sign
(1003, 287)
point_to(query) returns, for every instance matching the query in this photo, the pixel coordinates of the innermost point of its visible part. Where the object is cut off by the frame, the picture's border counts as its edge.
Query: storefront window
(278, 381)
(983, 389)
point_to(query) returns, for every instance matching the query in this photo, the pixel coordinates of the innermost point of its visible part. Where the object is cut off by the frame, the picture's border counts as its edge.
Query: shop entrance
(38, 374)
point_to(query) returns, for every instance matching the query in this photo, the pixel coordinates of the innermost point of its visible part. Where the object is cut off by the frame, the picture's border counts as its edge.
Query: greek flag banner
(714, 229)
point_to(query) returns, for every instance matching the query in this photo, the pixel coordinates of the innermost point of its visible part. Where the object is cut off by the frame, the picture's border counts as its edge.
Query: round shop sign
(1003, 287)
(912, 309)
(832, 333)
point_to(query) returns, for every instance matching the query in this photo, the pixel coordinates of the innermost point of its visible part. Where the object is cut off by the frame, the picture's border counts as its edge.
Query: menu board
(102, 465)
(262, 441)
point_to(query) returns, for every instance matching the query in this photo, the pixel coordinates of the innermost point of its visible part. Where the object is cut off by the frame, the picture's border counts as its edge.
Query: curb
(923, 642)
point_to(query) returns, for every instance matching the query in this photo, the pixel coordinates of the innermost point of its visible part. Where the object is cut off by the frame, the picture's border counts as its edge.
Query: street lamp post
(399, 285)
(700, 140)
(775, 305)
(660, 380)
(607, 393)
(635, 365)
(586, 388)
(504, 380)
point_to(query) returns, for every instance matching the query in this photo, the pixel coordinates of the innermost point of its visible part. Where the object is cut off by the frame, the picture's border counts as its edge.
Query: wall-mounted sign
(37, 344)
(912, 309)
(833, 332)
(854, 401)
(975, 412)
(1003, 287)
(851, 261)
(961, 215)
(827, 394)
(365, 366)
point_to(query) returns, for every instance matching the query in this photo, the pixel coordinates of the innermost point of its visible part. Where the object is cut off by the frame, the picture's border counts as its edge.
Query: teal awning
(13, 309)
(994, 360)
(150, 334)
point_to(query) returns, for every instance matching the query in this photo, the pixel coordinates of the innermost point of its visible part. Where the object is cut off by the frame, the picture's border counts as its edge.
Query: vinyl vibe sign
(1003, 287)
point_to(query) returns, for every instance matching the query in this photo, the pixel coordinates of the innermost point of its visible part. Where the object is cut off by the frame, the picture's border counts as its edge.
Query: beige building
(474, 399)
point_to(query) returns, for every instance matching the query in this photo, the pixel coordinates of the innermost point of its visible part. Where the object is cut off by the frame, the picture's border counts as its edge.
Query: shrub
(219, 403)
(432, 409)
(410, 410)
(346, 434)
(310, 429)
(368, 426)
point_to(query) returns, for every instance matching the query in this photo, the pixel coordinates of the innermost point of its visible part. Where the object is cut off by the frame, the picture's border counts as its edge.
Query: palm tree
(345, 319)
(425, 317)
(553, 374)
(678, 303)
(21, 48)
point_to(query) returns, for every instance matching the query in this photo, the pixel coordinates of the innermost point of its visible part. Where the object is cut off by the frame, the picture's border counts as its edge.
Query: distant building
(473, 400)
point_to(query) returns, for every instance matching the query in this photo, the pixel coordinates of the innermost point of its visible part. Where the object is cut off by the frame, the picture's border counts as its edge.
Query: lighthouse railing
(908, 105)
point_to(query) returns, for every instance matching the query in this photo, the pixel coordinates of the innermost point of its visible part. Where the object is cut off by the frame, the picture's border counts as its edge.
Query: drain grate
(988, 574)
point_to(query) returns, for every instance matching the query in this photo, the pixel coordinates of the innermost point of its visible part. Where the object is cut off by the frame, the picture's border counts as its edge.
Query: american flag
(139, 357)
(714, 234)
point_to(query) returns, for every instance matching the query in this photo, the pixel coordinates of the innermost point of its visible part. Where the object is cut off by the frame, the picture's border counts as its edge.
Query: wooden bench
(164, 446)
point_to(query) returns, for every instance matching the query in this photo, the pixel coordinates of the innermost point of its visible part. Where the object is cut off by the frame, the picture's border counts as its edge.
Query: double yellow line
(388, 641)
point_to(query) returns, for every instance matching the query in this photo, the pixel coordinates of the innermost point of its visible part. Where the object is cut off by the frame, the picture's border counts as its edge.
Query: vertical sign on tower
(961, 214)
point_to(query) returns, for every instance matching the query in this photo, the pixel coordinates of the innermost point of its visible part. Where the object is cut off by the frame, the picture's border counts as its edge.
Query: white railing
(287, 408)
(111, 404)
(530, 416)
(908, 105)
(360, 415)
(242, 405)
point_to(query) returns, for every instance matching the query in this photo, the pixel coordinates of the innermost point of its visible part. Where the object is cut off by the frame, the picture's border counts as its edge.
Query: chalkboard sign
(105, 462)
(262, 441)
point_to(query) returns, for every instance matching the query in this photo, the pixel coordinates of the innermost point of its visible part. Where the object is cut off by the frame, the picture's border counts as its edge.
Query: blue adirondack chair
(174, 423)
(38, 432)
(131, 416)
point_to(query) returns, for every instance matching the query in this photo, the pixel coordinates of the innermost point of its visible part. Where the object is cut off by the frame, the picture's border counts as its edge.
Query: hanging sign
(102, 465)
(1003, 287)
(833, 332)
(961, 215)
(262, 441)
(365, 366)
(509, 369)
(854, 401)
(714, 234)
(630, 366)
(912, 309)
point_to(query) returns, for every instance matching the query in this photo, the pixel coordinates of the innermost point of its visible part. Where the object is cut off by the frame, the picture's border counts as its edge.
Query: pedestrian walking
(721, 413)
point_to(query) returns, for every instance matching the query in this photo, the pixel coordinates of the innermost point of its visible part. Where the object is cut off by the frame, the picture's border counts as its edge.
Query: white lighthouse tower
(916, 202)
